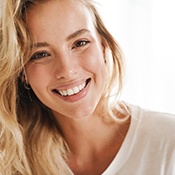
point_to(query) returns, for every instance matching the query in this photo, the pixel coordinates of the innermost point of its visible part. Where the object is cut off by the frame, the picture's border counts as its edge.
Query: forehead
(62, 15)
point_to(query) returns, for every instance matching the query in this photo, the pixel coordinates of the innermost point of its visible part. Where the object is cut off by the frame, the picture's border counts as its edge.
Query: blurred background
(145, 30)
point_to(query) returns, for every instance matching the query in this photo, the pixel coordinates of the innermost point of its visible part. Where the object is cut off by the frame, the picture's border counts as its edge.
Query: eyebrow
(71, 36)
(40, 44)
(77, 33)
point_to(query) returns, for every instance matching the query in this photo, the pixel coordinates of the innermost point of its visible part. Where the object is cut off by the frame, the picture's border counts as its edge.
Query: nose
(65, 67)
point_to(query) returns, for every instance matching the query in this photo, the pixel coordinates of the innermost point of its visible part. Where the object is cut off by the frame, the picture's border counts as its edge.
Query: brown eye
(39, 55)
(81, 43)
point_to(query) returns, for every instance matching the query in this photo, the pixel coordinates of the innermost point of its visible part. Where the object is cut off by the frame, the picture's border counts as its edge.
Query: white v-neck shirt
(149, 146)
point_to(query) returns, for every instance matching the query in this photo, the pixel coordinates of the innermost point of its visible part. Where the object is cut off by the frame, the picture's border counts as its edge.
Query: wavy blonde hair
(31, 139)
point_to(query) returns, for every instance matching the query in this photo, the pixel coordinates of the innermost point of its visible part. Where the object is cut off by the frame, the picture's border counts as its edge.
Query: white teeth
(64, 93)
(70, 92)
(76, 90)
(73, 90)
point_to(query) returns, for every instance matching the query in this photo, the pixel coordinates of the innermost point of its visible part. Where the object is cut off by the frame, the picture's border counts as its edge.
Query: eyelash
(39, 55)
(42, 54)
(80, 43)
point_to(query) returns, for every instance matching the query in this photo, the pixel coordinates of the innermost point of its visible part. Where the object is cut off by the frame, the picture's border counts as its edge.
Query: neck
(88, 133)
(88, 139)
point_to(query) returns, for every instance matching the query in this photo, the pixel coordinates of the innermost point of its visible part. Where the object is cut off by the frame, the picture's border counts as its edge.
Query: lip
(74, 97)
(70, 84)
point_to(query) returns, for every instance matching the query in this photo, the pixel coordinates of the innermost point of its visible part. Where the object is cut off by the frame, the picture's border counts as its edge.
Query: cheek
(37, 77)
(93, 58)
(97, 66)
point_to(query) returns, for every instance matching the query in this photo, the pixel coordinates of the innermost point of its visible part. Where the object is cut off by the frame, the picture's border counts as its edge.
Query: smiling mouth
(72, 91)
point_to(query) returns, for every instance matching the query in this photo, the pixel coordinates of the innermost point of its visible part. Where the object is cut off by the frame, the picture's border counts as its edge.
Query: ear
(105, 47)
(24, 76)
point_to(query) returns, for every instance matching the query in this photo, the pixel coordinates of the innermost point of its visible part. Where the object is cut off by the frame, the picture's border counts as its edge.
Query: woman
(59, 65)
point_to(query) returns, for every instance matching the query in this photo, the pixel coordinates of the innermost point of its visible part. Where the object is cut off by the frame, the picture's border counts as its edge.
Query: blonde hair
(31, 139)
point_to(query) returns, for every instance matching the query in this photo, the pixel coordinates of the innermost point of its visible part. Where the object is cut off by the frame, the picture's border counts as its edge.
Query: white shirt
(149, 146)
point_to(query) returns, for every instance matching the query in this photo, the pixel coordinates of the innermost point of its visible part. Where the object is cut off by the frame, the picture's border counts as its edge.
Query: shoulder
(150, 142)
(149, 115)
(157, 123)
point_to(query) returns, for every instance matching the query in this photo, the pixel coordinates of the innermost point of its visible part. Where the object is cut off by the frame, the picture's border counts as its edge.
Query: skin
(70, 53)
(66, 66)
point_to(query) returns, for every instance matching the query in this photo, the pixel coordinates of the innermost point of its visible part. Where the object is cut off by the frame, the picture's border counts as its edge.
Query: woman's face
(66, 70)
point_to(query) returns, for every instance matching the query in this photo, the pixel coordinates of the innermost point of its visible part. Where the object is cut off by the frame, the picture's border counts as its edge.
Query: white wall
(145, 29)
